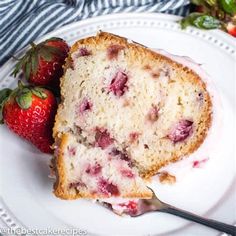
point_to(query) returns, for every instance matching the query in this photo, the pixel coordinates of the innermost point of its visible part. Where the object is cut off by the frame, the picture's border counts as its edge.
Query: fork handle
(229, 229)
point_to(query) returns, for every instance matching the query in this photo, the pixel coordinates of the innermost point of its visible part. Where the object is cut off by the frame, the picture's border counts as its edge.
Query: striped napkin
(22, 21)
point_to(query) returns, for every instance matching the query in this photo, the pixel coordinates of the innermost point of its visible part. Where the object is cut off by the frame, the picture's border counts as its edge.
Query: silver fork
(154, 204)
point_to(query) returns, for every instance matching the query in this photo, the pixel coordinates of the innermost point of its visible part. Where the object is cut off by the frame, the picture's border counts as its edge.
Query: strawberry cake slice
(126, 111)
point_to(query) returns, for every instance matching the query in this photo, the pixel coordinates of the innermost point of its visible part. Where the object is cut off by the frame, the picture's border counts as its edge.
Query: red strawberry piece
(132, 205)
(85, 105)
(181, 131)
(93, 170)
(152, 115)
(115, 152)
(71, 151)
(42, 64)
(84, 52)
(103, 138)
(231, 29)
(121, 155)
(118, 84)
(199, 164)
(196, 164)
(30, 112)
(133, 137)
(127, 173)
(112, 189)
(107, 188)
(113, 51)
(130, 208)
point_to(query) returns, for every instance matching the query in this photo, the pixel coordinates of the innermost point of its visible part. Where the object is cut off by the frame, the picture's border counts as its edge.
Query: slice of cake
(126, 111)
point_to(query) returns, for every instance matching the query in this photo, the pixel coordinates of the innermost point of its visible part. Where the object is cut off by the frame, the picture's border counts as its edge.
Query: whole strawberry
(42, 63)
(30, 112)
(231, 29)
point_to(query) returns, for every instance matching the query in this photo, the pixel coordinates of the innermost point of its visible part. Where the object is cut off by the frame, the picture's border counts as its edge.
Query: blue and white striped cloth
(22, 21)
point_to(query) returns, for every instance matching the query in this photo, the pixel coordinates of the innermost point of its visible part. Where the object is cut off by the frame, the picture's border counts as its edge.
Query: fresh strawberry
(231, 29)
(42, 64)
(29, 112)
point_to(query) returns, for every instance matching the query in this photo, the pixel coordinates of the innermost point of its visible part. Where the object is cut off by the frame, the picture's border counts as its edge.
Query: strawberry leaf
(34, 62)
(39, 92)
(187, 21)
(18, 66)
(27, 70)
(48, 52)
(24, 98)
(201, 21)
(211, 2)
(45, 54)
(1, 117)
(206, 3)
(25, 64)
(29, 63)
(4, 95)
(228, 6)
(54, 50)
(206, 22)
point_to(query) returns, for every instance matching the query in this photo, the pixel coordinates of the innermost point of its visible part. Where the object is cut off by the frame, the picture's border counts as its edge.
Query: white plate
(26, 198)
